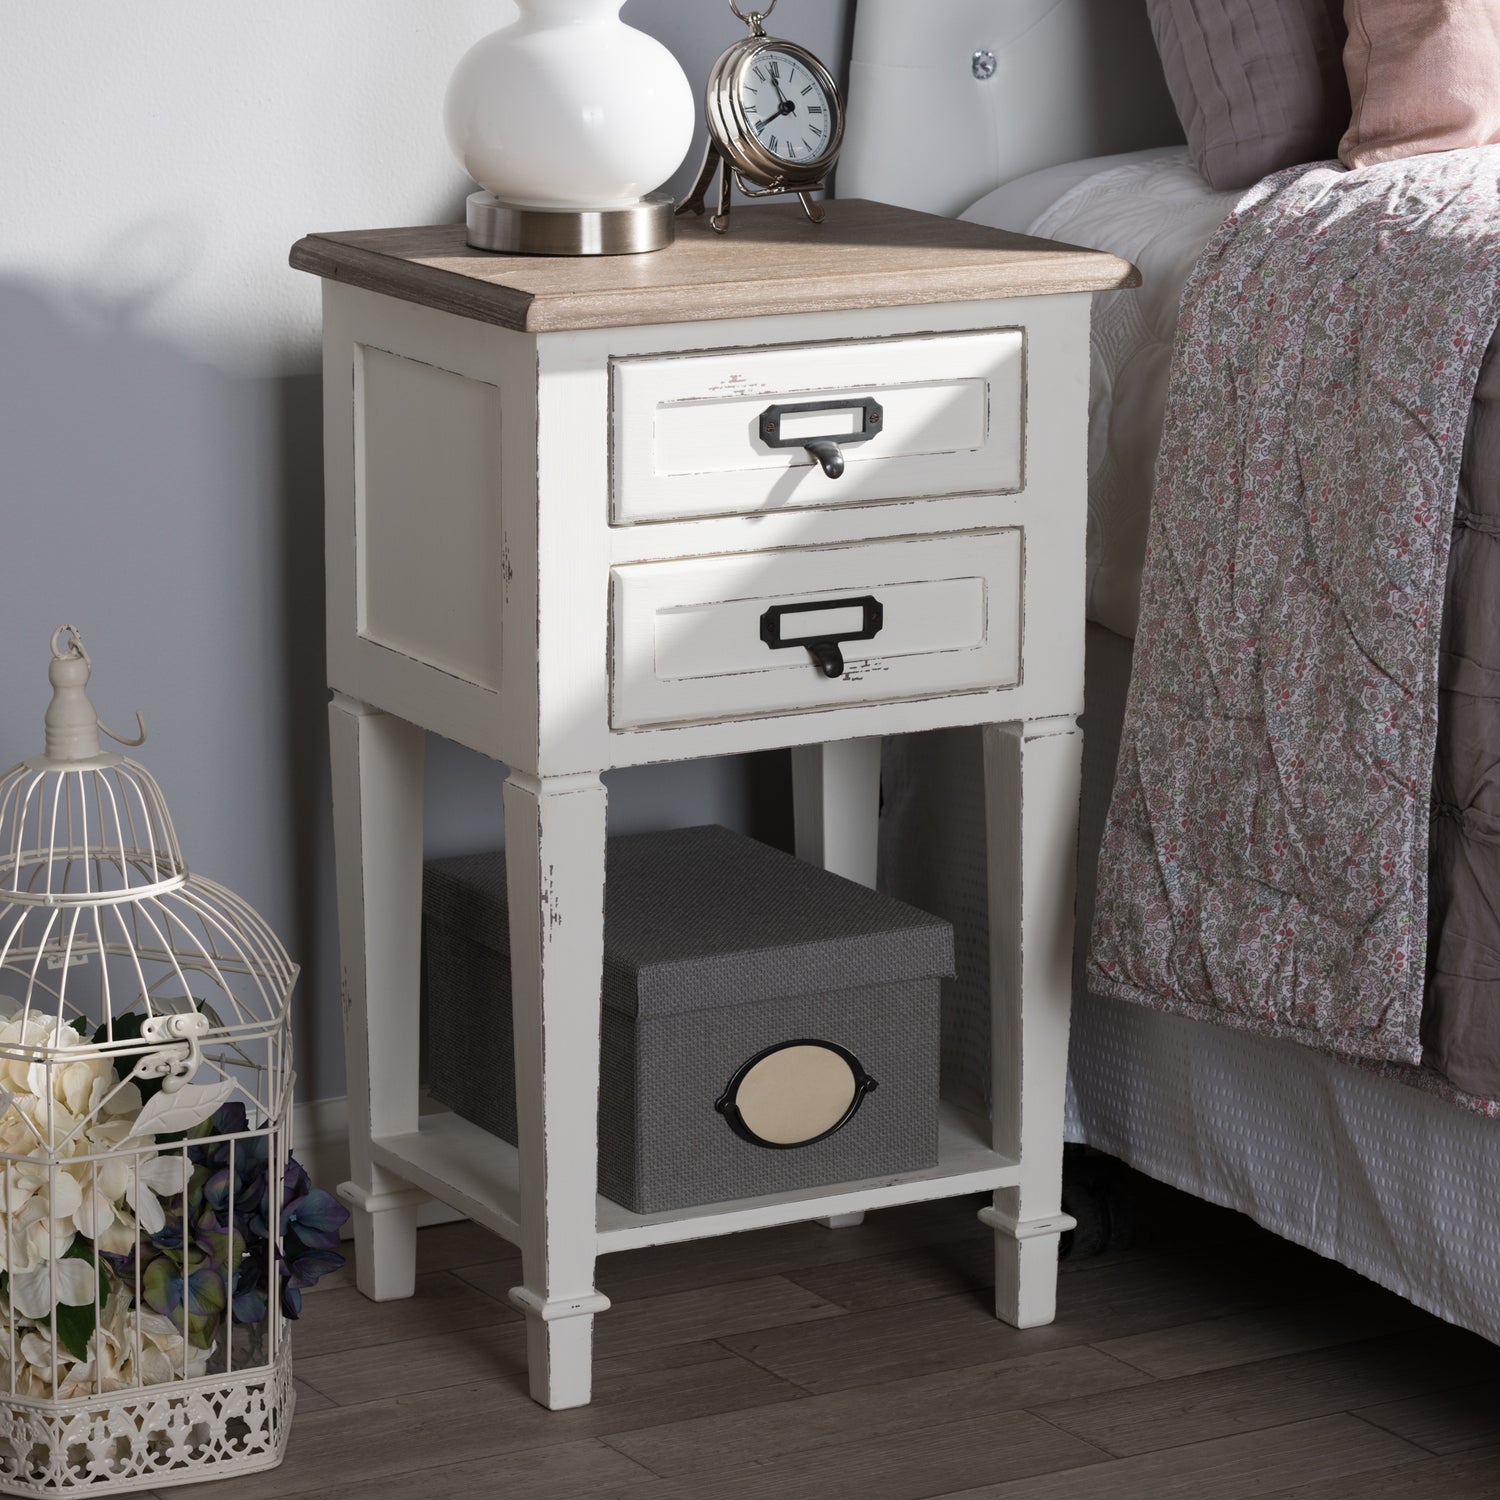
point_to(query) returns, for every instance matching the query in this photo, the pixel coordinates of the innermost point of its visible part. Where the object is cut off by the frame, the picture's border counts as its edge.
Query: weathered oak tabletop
(772, 261)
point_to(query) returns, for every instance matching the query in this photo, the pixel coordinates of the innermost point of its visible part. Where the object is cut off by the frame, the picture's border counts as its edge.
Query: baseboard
(320, 1141)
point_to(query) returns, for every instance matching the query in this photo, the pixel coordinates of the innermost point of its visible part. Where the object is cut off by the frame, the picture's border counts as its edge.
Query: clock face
(788, 107)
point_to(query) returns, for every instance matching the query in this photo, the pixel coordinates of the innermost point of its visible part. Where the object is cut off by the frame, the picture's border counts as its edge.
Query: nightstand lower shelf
(474, 1171)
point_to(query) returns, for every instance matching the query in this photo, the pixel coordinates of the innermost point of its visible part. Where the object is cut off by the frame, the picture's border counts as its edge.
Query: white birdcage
(145, 1094)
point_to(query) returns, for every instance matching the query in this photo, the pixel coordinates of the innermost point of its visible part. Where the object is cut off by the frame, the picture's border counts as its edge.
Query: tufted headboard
(1072, 79)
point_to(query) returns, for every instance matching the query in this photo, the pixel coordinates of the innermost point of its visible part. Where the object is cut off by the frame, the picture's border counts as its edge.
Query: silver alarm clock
(775, 122)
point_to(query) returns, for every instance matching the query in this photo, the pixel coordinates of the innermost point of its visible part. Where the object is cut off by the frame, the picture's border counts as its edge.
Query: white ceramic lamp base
(629, 230)
(569, 120)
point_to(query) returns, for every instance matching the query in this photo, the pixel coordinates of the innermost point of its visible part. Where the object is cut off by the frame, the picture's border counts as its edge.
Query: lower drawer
(702, 639)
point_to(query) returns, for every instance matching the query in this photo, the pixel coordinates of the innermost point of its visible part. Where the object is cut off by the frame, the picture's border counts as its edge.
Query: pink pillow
(1424, 75)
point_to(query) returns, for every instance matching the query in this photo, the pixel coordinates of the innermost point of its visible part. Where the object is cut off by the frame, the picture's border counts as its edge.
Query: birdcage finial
(73, 726)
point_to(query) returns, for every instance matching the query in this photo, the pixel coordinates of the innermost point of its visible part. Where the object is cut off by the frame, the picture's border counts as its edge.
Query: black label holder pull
(822, 645)
(827, 448)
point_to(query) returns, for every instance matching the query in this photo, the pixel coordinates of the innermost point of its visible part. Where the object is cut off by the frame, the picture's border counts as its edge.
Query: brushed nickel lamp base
(631, 230)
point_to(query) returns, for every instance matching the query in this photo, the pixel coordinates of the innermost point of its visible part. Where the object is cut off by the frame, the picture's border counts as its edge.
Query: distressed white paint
(377, 824)
(556, 386)
(554, 842)
(480, 1174)
(688, 441)
(1031, 780)
(687, 633)
(983, 566)
(427, 531)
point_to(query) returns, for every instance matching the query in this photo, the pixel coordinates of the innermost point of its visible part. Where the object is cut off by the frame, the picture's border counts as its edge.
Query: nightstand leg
(836, 811)
(554, 859)
(1031, 777)
(377, 830)
(836, 806)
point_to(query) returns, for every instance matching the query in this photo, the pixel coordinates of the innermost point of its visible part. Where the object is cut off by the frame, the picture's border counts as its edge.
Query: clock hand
(786, 107)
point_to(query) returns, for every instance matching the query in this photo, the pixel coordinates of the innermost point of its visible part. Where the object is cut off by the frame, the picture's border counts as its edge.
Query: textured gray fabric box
(716, 948)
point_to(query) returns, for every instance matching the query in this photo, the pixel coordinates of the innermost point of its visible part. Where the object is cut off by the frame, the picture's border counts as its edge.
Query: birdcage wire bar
(145, 1107)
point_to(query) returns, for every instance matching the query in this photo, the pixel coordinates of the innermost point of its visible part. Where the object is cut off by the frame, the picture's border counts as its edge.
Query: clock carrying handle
(826, 448)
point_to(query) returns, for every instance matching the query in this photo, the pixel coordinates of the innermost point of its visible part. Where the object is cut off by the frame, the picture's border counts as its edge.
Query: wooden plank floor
(1207, 1359)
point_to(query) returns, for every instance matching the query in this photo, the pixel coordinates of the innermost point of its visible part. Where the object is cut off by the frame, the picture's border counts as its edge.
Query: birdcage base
(148, 1438)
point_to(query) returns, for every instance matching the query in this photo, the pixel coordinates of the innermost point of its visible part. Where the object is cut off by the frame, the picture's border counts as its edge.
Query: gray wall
(160, 464)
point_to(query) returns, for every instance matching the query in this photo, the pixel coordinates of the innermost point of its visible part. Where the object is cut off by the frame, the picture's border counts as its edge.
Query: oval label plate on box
(794, 1093)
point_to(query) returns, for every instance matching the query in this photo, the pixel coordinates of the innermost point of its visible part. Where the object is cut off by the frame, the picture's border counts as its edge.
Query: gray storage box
(717, 949)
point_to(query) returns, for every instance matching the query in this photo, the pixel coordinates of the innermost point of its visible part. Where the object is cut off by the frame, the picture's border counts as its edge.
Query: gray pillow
(1258, 84)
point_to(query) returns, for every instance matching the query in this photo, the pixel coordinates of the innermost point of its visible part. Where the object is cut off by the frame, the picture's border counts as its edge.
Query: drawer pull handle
(809, 628)
(827, 448)
(829, 454)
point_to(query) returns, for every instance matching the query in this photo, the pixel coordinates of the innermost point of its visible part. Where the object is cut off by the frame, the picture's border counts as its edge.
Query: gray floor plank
(1245, 1273)
(1469, 1476)
(1272, 1392)
(891, 1342)
(895, 1343)
(899, 1466)
(1202, 1358)
(565, 1472)
(736, 1439)
(308, 1399)
(343, 1448)
(1444, 1421)
(1264, 1333)
(347, 1321)
(1224, 1468)
(480, 1353)
(445, 1247)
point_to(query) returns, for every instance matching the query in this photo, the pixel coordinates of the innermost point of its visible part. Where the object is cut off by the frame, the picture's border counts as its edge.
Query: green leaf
(75, 1327)
(127, 1028)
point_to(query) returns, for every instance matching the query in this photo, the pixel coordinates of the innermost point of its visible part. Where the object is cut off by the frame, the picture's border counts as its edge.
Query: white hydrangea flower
(130, 1348)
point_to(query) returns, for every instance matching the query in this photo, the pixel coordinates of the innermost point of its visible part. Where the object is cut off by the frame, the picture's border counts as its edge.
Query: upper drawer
(687, 431)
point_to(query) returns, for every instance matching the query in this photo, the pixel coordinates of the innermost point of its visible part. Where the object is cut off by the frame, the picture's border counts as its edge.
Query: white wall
(160, 473)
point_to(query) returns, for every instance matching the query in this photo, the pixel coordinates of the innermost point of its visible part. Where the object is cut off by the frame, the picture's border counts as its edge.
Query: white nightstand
(571, 525)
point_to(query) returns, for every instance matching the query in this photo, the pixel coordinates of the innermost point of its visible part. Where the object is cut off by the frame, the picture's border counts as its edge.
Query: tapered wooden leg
(554, 858)
(1031, 778)
(377, 830)
(836, 812)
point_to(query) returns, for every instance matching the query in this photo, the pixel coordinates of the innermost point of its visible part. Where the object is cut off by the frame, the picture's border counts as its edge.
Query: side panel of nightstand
(431, 485)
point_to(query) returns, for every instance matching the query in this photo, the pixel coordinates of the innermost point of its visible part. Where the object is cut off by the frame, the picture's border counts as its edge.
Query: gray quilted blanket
(1265, 863)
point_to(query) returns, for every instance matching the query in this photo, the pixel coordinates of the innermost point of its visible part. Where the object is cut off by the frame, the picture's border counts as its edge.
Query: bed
(1074, 136)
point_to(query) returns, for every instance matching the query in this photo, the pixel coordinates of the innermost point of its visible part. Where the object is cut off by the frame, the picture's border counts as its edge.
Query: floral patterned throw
(1265, 861)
